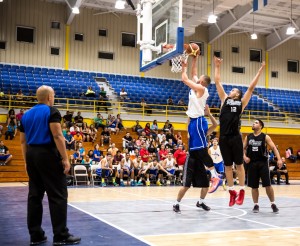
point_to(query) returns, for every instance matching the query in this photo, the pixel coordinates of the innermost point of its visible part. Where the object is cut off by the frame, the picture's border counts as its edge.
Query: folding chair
(95, 174)
(80, 171)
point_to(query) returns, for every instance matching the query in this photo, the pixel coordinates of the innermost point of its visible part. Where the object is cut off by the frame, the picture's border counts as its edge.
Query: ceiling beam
(228, 21)
(71, 4)
(279, 37)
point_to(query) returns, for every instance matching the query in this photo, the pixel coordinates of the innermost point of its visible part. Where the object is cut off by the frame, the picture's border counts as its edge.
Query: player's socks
(102, 180)
(242, 187)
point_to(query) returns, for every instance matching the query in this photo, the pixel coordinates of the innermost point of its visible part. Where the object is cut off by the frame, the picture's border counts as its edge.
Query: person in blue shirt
(47, 163)
(97, 153)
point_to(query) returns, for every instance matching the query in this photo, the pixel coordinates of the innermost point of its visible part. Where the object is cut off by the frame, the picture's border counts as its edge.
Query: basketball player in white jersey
(107, 169)
(216, 156)
(137, 169)
(194, 170)
(126, 167)
(169, 164)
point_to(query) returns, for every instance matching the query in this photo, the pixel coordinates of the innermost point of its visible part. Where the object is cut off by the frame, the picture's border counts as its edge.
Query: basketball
(192, 49)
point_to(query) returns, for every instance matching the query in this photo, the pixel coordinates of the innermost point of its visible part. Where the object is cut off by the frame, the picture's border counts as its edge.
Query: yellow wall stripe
(67, 45)
(208, 60)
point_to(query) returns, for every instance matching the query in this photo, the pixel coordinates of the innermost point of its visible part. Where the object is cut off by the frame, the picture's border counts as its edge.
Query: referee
(46, 162)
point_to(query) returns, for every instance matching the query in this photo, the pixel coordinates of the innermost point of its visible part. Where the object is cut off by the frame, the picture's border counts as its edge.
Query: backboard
(167, 34)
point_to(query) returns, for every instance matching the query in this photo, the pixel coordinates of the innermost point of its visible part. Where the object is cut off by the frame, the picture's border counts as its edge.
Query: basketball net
(176, 62)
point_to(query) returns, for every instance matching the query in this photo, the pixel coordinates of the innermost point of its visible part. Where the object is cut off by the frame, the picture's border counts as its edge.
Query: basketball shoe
(240, 198)
(215, 183)
(274, 208)
(176, 208)
(203, 206)
(233, 196)
(255, 209)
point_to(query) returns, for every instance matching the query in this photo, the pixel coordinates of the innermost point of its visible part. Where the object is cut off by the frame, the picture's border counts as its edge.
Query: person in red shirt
(144, 153)
(180, 157)
(162, 153)
(147, 129)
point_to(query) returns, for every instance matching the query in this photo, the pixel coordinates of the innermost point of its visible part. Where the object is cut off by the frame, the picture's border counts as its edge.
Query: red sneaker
(215, 183)
(233, 195)
(240, 198)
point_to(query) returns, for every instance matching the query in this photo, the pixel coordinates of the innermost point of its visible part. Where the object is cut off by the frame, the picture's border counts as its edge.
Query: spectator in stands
(181, 102)
(76, 158)
(178, 136)
(169, 136)
(113, 125)
(137, 126)
(2, 97)
(144, 153)
(289, 154)
(107, 169)
(127, 139)
(117, 158)
(105, 137)
(5, 156)
(30, 99)
(1, 131)
(78, 138)
(160, 136)
(78, 119)
(298, 154)
(19, 97)
(170, 101)
(120, 122)
(85, 132)
(102, 92)
(70, 141)
(123, 95)
(67, 118)
(96, 154)
(11, 117)
(147, 129)
(113, 150)
(280, 171)
(154, 129)
(162, 153)
(19, 117)
(98, 121)
(11, 131)
(93, 133)
(145, 107)
(90, 92)
(180, 156)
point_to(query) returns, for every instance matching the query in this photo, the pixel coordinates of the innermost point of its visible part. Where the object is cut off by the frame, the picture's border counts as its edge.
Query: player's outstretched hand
(217, 61)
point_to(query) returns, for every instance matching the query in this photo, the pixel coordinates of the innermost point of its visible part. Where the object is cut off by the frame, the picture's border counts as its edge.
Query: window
(235, 49)
(274, 74)
(105, 55)
(217, 53)
(255, 55)
(238, 69)
(55, 25)
(293, 66)
(128, 39)
(2, 45)
(78, 36)
(103, 32)
(54, 51)
(25, 34)
(201, 45)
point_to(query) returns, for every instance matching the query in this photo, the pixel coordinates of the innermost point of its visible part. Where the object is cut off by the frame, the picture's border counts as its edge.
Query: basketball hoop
(176, 62)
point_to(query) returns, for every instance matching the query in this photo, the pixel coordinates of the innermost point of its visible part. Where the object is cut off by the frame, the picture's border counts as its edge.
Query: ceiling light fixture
(253, 35)
(120, 4)
(291, 30)
(212, 18)
(75, 10)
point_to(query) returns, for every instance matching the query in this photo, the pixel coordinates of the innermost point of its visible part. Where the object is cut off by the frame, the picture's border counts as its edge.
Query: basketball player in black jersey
(256, 157)
(231, 143)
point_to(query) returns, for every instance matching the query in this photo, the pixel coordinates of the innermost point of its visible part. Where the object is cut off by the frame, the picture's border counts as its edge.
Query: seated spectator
(98, 121)
(93, 133)
(19, 97)
(68, 118)
(85, 132)
(123, 95)
(160, 136)
(76, 158)
(145, 107)
(117, 158)
(280, 171)
(170, 101)
(154, 129)
(289, 154)
(96, 154)
(1, 131)
(105, 136)
(181, 102)
(19, 117)
(113, 125)
(169, 136)
(78, 138)
(70, 141)
(120, 123)
(90, 92)
(102, 92)
(162, 153)
(78, 119)
(11, 131)
(298, 154)
(147, 129)
(11, 117)
(113, 149)
(144, 153)
(137, 126)
(5, 156)
(127, 139)
(87, 160)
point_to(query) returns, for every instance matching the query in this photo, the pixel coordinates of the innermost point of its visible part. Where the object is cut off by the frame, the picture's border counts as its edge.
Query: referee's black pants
(45, 173)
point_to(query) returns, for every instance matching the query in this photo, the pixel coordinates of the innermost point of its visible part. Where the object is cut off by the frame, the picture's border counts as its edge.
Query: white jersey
(170, 164)
(196, 105)
(152, 166)
(106, 163)
(127, 163)
(216, 154)
(139, 164)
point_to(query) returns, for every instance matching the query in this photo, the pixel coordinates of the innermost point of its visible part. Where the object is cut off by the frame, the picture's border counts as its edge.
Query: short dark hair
(261, 123)
(207, 79)
(240, 92)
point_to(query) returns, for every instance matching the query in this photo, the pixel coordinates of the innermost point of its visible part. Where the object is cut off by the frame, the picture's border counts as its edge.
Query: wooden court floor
(146, 213)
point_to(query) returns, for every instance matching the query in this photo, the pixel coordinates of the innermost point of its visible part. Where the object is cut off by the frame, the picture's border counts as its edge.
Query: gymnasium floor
(143, 215)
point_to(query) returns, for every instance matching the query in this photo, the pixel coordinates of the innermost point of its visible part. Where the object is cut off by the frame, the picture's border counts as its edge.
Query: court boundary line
(112, 225)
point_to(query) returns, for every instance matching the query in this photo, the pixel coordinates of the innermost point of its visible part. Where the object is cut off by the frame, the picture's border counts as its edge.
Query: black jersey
(257, 150)
(230, 117)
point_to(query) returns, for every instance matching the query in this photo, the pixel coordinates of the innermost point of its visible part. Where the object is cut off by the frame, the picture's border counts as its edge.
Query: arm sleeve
(55, 116)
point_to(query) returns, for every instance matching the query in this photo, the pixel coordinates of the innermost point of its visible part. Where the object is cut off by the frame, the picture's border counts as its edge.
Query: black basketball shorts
(232, 149)
(258, 170)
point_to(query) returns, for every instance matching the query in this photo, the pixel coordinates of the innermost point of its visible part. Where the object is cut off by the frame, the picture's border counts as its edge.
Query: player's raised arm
(212, 119)
(185, 79)
(248, 93)
(194, 69)
(222, 94)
